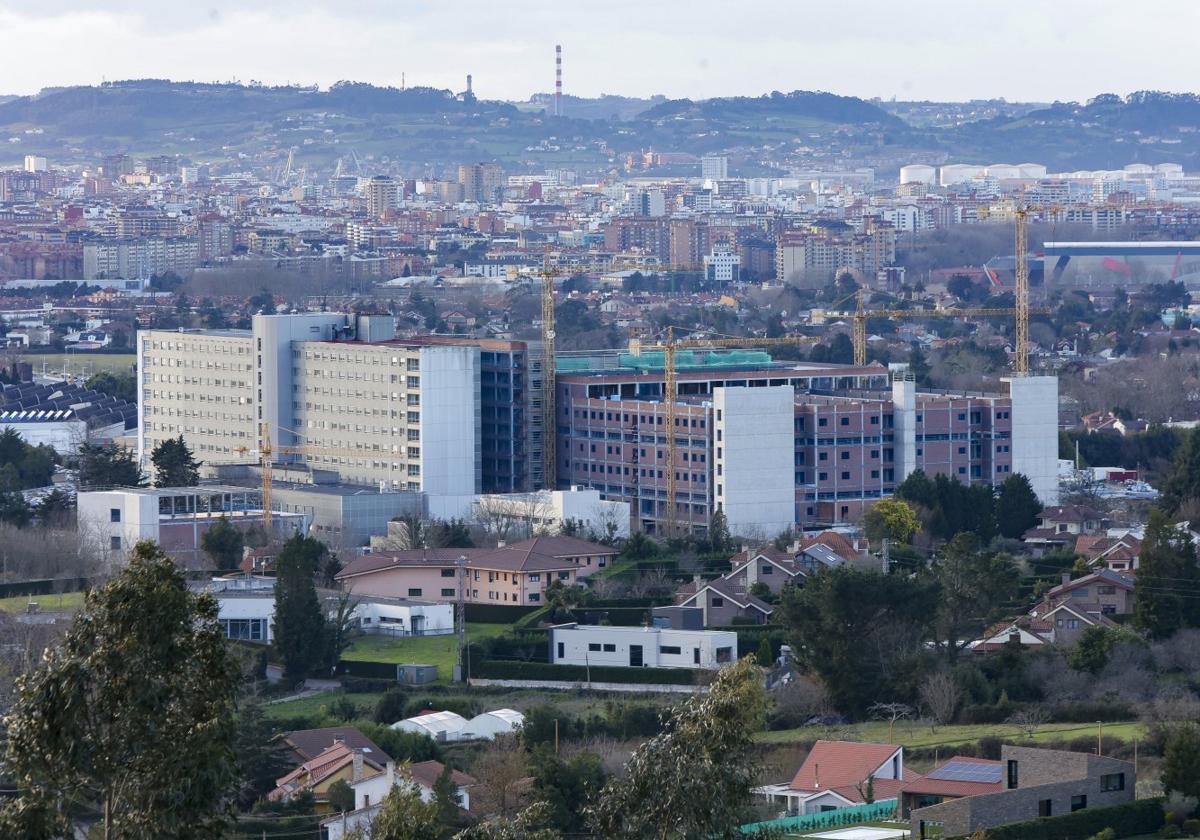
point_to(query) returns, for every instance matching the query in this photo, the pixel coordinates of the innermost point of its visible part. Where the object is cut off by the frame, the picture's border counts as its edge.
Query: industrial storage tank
(1139, 169)
(956, 173)
(1171, 170)
(1032, 170)
(1002, 171)
(918, 173)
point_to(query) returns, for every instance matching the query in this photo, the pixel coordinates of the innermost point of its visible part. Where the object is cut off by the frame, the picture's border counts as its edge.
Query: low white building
(641, 647)
(440, 726)
(546, 511)
(486, 726)
(402, 617)
(370, 792)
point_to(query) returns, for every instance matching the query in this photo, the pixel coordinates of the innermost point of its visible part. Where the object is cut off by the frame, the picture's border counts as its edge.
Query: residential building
(482, 182)
(515, 574)
(338, 763)
(811, 258)
(370, 792)
(129, 258)
(1037, 783)
(723, 265)
(955, 778)
(382, 194)
(641, 647)
(836, 774)
(722, 601)
(404, 617)
(714, 167)
(302, 745)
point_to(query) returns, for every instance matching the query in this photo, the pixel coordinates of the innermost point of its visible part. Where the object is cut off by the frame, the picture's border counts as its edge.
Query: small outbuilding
(486, 726)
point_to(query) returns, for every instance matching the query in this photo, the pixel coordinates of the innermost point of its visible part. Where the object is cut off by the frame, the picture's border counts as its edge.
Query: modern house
(638, 647)
(1036, 783)
(516, 575)
(955, 778)
(722, 601)
(370, 792)
(841, 774)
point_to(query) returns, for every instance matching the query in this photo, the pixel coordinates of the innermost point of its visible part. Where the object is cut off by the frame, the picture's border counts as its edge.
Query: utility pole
(461, 669)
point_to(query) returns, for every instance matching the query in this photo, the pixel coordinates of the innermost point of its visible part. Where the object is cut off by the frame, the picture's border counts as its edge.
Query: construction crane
(1021, 362)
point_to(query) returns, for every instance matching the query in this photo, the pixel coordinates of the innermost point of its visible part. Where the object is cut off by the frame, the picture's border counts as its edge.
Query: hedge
(1142, 817)
(496, 613)
(48, 586)
(501, 670)
(369, 670)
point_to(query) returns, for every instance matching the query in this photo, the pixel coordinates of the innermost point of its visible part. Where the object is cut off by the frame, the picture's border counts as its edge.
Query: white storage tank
(1002, 171)
(956, 173)
(1032, 170)
(1171, 170)
(918, 173)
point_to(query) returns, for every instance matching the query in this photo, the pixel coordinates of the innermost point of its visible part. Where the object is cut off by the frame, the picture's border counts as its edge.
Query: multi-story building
(382, 194)
(854, 437)
(129, 258)
(434, 414)
(723, 265)
(214, 238)
(482, 182)
(811, 258)
(714, 167)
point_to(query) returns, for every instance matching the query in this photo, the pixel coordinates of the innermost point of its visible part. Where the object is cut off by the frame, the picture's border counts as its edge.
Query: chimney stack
(558, 80)
(356, 773)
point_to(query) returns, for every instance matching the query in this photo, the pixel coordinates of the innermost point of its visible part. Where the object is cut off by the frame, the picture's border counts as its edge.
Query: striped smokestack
(558, 80)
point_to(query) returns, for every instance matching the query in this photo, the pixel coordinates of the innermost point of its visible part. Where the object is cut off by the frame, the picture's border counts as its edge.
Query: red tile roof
(841, 764)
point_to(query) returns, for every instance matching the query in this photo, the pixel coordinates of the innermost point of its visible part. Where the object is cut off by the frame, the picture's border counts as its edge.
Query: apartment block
(123, 258)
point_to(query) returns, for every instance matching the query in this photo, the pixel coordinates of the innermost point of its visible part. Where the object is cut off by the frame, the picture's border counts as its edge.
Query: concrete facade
(754, 486)
(1035, 433)
(636, 647)
(1039, 783)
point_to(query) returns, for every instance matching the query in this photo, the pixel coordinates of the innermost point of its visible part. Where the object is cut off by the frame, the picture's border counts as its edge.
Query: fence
(882, 810)
(401, 632)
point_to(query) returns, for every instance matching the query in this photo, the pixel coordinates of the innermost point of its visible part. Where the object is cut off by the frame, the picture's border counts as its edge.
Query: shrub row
(369, 670)
(1142, 817)
(496, 613)
(499, 670)
(50, 586)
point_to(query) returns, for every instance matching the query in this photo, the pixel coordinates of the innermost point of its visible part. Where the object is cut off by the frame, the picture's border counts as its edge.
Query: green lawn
(62, 602)
(441, 651)
(913, 735)
(80, 364)
(313, 705)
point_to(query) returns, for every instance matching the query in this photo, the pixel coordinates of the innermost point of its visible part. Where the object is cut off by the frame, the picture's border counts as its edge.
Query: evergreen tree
(764, 656)
(14, 510)
(223, 544)
(1167, 586)
(174, 465)
(133, 714)
(404, 816)
(719, 539)
(445, 796)
(1183, 482)
(54, 510)
(300, 629)
(975, 588)
(1017, 508)
(566, 786)
(1181, 761)
(107, 466)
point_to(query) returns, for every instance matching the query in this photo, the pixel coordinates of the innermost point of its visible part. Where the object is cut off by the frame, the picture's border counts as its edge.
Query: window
(114, 515)
(114, 543)
(1013, 778)
(1045, 808)
(724, 654)
(533, 596)
(674, 650)
(1078, 803)
(718, 602)
(447, 572)
(447, 593)
(413, 592)
(535, 577)
(1112, 782)
(768, 570)
(594, 646)
(560, 650)
(610, 648)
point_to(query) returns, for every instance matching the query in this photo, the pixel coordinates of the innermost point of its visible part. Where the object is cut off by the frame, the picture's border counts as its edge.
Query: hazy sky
(913, 49)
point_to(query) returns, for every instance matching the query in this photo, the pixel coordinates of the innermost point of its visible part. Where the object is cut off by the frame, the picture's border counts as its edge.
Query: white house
(370, 792)
(440, 726)
(486, 726)
(641, 647)
(403, 617)
(245, 607)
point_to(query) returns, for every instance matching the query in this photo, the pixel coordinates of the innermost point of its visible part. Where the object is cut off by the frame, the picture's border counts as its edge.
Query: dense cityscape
(394, 462)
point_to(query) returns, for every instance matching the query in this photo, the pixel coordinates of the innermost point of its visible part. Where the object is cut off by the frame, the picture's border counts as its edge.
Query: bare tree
(652, 584)
(941, 695)
(504, 518)
(1028, 721)
(504, 779)
(891, 712)
(798, 701)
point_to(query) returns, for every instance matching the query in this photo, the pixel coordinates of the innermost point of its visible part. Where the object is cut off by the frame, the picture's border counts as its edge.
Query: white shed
(440, 726)
(487, 726)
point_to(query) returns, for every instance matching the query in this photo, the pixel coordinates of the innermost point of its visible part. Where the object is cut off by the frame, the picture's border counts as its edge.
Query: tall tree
(107, 465)
(1183, 482)
(174, 465)
(529, 824)
(861, 632)
(566, 786)
(1181, 761)
(1017, 508)
(1167, 587)
(300, 630)
(694, 779)
(445, 796)
(891, 519)
(133, 712)
(975, 588)
(403, 815)
(223, 544)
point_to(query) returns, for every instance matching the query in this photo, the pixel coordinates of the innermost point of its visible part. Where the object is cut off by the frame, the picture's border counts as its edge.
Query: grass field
(62, 602)
(913, 735)
(79, 364)
(441, 651)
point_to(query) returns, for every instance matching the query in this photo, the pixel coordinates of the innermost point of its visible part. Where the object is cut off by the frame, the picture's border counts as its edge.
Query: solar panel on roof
(967, 771)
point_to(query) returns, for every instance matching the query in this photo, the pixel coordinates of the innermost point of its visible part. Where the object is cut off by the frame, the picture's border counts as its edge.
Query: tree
(1028, 721)
(891, 519)
(340, 796)
(566, 787)
(975, 588)
(14, 510)
(1168, 581)
(404, 816)
(1017, 508)
(391, 706)
(107, 465)
(719, 539)
(133, 712)
(861, 632)
(941, 695)
(1183, 481)
(299, 625)
(530, 824)
(502, 774)
(694, 779)
(445, 796)
(449, 533)
(261, 757)
(765, 657)
(1095, 645)
(223, 544)
(122, 386)
(174, 465)
(1181, 761)
(54, 510)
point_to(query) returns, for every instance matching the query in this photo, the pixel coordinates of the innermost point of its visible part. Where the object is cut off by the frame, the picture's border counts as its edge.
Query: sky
(950, 50)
